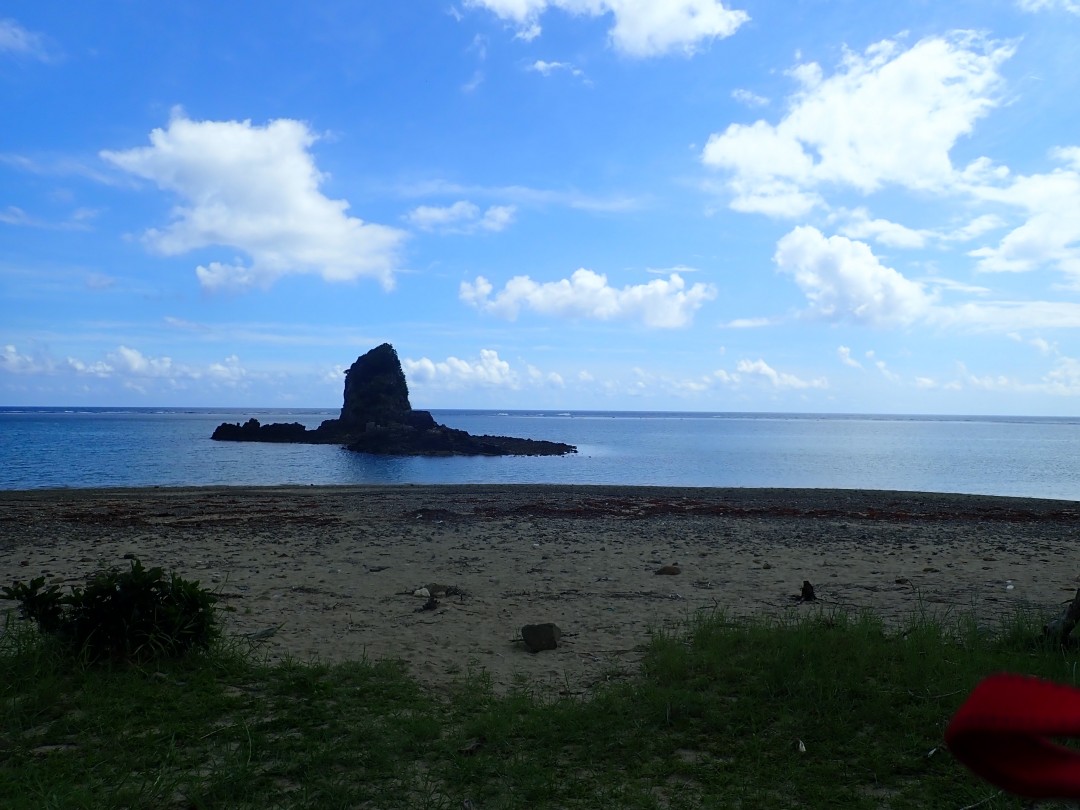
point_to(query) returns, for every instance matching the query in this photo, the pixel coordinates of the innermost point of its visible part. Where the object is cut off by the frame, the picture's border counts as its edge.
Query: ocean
(142, 447)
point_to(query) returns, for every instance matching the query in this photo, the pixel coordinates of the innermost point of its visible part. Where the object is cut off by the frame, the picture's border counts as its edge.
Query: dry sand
(335, 568)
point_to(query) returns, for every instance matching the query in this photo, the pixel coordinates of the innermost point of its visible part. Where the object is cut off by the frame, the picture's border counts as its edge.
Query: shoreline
(335, 567)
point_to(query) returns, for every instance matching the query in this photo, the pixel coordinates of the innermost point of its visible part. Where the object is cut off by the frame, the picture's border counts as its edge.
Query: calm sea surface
(56, 447)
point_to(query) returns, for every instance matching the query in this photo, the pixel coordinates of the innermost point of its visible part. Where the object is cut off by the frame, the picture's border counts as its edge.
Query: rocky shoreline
(377, 418)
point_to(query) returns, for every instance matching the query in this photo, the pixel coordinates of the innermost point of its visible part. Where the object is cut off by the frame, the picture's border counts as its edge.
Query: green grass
(713, 720)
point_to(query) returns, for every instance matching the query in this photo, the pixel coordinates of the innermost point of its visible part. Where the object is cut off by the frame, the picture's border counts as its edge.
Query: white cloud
(548, 68)
(681, 269)
(859, 225)
(14, 39)
(1005, 316)
(887, 116)
(256, 189)
(1072, 6)
(641, 27)
(474, 82)
(976, 228)
(94, 369)
(1064, 378)
(488, 371)
(661, 303)
(461, 217)
(497, 217)
(939, 283)
(550, 378)
(13, 362)
(13, 215)
(1042, 344)
(844, 353)
(1050, 236)
(529, 33)
(1069, 155)
(759, 368)
(524, 195)
(58, 167)
(843, 280)
(748, 323)
(132, 361)
(229, 371)
(749, 98)
(886, 372)
(130, 367)
(433, 217)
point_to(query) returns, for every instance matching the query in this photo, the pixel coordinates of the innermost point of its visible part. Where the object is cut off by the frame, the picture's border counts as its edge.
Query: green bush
(133, 615)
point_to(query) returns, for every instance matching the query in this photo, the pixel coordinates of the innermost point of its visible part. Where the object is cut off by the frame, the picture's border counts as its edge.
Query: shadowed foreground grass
(714, 719)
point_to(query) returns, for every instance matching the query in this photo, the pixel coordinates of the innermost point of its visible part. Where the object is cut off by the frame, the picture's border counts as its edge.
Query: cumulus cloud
(256, 189)
(132, 361)
(14, 362)
(453, 373)
(759, 368)
(461, 217)
(843, 280)
(660, 303)
(886, 116)
(130, 367)
(641, 28)
(1050, 233)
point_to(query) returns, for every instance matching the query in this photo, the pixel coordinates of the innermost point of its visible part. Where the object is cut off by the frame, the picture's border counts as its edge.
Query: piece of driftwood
(1060, 628)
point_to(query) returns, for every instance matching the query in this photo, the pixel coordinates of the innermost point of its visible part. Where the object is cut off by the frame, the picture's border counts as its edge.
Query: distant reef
(376, 417)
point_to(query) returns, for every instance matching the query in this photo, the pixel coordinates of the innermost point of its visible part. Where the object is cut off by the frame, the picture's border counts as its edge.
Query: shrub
(132, 615)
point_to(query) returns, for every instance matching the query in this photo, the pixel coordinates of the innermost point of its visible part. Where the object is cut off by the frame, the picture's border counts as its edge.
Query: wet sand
(335, 569)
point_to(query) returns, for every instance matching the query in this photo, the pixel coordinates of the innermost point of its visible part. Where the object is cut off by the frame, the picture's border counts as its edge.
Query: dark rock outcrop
(252, 431)
(376, 417)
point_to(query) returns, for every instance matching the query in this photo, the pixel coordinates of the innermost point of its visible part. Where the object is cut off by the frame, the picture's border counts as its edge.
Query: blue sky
(806, 205)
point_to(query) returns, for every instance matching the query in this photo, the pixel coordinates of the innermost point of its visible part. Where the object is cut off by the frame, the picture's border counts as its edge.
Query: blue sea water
(97, 447)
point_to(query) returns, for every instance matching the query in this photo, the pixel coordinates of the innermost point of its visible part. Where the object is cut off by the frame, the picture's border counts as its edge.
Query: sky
(693, 205)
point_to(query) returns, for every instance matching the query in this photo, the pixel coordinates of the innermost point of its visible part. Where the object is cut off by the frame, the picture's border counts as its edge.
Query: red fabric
(1000, 733)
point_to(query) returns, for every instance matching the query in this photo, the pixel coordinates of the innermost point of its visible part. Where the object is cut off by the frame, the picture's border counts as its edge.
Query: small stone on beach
(539, 637)
(669, 570)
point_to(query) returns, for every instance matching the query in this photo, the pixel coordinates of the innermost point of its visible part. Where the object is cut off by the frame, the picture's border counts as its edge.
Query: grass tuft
(828, 710)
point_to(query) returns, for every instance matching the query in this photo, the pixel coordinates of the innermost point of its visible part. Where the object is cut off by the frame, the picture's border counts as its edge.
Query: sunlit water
(140, 447)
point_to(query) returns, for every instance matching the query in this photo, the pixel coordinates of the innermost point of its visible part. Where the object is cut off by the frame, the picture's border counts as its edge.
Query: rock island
(376, 417)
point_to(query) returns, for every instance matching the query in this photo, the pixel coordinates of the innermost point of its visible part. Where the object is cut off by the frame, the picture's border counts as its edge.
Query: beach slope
(340, 571)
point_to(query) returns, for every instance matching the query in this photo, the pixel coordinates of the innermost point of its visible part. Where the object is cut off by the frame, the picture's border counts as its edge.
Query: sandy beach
(337, 569)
